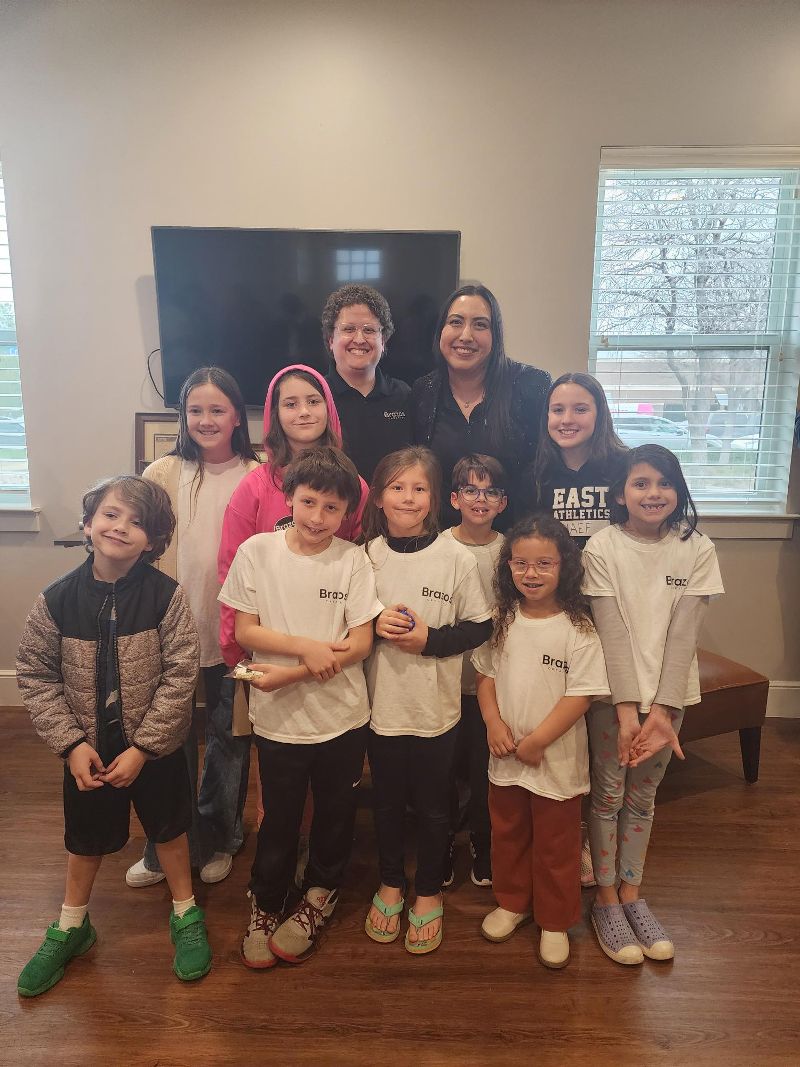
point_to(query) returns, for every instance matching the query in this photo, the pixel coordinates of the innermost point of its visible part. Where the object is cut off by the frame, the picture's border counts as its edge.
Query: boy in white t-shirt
(477, 492)
(304, 600)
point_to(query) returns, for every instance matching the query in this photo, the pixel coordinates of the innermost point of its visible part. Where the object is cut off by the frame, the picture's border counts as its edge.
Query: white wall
(487, 118)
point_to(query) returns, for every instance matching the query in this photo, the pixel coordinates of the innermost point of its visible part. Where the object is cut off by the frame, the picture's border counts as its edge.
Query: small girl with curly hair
(537, 678)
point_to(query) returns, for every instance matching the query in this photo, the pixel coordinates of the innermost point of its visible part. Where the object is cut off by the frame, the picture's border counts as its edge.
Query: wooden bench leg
(750, 744)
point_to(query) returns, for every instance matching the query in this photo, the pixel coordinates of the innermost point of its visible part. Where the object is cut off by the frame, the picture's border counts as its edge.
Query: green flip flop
(384, 937)
(420, 948)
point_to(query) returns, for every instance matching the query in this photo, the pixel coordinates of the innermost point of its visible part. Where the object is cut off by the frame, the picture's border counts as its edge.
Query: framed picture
(154, 436)
(155, 433)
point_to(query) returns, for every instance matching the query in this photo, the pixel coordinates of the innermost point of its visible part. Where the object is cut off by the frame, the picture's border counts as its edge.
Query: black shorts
(97, 821)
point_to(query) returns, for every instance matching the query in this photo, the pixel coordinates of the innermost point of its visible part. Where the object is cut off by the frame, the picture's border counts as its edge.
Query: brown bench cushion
(734, 697)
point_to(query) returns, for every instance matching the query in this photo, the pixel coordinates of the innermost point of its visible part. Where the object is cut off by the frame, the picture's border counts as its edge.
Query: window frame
(779, 339)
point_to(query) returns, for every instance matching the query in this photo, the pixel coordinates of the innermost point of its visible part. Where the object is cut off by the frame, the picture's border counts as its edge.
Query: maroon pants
(536, 855)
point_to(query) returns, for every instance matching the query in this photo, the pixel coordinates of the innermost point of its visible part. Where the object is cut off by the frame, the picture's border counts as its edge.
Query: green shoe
(192, 951)
(58, 948)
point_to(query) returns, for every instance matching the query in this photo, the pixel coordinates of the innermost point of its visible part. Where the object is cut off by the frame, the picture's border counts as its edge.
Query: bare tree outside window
(690, 301)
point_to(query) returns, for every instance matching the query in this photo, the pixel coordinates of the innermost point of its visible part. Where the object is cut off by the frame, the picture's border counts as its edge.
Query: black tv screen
(250, 300)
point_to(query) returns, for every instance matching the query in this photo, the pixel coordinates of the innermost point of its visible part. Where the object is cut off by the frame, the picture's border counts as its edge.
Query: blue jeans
(217, 812)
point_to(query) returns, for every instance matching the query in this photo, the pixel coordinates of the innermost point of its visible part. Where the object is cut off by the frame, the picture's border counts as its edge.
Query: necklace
(467, 405)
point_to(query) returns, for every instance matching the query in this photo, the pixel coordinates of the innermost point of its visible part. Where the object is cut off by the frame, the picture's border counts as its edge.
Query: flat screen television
(250, 300)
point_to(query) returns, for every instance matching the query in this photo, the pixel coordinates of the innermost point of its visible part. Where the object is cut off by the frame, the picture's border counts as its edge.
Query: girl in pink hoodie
(299, 412)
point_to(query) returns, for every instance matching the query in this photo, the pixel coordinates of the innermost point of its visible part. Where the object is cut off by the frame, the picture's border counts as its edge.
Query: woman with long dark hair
(477, 399)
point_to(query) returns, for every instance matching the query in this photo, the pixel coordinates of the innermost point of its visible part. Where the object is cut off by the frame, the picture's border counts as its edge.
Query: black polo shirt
(455, 436)
(372, 425)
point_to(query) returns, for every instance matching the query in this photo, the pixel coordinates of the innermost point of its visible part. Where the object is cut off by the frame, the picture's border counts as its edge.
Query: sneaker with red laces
(255, 943)
(297, 937)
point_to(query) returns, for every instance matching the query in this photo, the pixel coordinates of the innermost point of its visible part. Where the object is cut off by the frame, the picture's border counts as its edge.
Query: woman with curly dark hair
(373, 407)
(537, 678)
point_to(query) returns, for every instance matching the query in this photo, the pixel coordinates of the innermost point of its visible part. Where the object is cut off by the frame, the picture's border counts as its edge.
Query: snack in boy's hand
(242, 673)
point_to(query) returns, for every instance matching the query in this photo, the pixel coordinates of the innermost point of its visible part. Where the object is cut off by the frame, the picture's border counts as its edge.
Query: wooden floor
(723, 875)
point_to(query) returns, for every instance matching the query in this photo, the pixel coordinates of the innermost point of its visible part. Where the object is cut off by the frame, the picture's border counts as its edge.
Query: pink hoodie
(258, 506)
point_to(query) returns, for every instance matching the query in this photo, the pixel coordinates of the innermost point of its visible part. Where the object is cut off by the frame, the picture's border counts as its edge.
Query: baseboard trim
(9, 694)
(783, 701)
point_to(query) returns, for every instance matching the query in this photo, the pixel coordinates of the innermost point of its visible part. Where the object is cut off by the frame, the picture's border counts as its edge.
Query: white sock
(180, 907)
(71, 916)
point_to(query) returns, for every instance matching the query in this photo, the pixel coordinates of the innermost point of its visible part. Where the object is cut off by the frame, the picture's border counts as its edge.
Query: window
(695, 317)
(14, 485)
(358, 264)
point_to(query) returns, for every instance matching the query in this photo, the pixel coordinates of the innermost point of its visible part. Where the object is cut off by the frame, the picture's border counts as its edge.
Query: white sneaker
(138, 876)
(217, 868)
(554, 949)
(500, 924)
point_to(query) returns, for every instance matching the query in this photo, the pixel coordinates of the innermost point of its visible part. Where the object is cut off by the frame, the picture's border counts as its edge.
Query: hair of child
(497, 383)
(150, 503)
(684, 517)
(185, 446)
(326, 470)
(570, 576)
(482, 467)
(606, 446)
(346, 297)
(373, 521)
(241, 445)
(276, 443)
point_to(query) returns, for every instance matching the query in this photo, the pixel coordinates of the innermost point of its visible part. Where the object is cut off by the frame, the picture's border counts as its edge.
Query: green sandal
(420, 948)
(384, 937)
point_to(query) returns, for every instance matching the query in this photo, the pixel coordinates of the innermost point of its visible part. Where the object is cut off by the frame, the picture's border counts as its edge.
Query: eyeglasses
(543, 566)
(492, 495)
(350, 330)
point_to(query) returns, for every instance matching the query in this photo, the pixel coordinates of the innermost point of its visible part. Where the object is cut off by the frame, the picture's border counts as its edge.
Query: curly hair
(568, 592)
(148, 500)
(346, 297)
(373, 521)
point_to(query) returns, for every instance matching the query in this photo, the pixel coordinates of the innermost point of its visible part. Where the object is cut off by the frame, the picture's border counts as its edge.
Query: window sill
(748, 527)
(19, 519)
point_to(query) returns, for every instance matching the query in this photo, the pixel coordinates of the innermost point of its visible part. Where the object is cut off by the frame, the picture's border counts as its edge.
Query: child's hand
(530, 751)
(124, 770)
(658, 732)
(273, 677)
(393, 623)
(499, 738)
(629, 727)
(320, 657)
(85, 767)
(415, 639)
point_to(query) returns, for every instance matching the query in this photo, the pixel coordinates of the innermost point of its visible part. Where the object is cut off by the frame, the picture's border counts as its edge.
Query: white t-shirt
(541, 661)
(321, 597)
(648, 578)
(198, 530)
(486, 557)
(411, 693)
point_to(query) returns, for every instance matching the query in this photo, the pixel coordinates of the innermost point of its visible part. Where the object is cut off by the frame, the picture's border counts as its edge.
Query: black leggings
(334, 770)
(472, 764)
(416, 770)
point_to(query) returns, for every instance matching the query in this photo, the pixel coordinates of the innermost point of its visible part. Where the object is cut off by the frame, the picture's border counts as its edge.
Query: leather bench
(733, 697)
